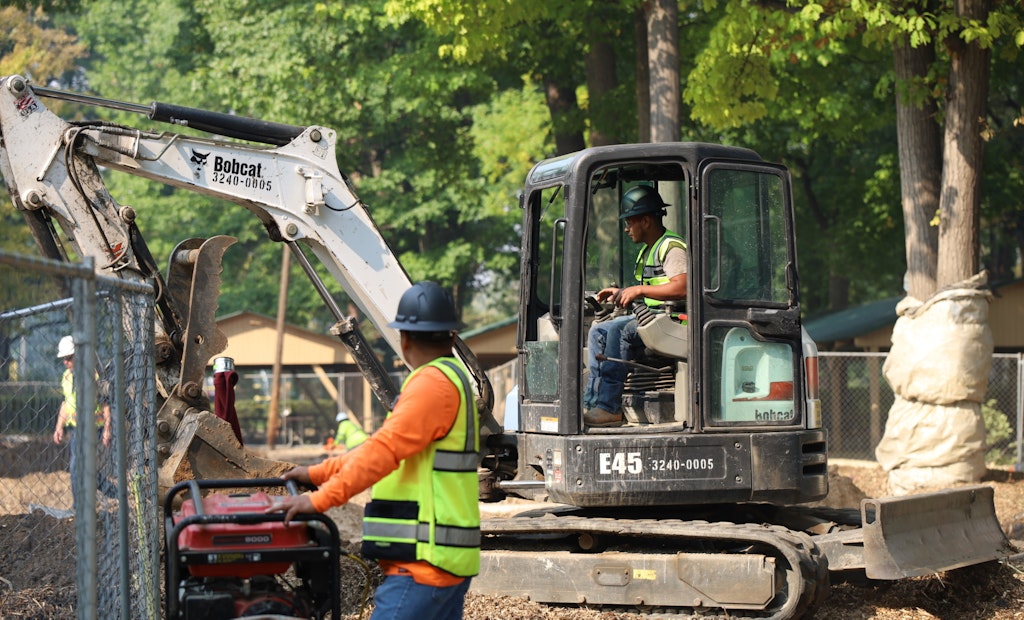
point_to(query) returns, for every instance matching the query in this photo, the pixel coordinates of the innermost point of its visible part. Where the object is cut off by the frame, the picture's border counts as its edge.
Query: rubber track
(806, 587)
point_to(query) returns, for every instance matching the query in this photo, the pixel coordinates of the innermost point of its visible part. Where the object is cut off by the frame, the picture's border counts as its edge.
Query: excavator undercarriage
(764, 562)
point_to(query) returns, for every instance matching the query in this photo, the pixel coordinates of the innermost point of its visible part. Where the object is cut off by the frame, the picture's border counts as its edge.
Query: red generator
(226, 558)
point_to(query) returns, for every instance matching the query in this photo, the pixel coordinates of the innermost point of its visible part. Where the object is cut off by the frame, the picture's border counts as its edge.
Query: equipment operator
(661, 270)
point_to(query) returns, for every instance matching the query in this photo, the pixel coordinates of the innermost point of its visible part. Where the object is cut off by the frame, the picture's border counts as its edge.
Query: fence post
(1019, 465)
(874, 391)
(85, 436)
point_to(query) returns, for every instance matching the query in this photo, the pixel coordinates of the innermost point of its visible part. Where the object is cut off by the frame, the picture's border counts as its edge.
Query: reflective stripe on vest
(427, 509)
(650, 265)
(410, 532)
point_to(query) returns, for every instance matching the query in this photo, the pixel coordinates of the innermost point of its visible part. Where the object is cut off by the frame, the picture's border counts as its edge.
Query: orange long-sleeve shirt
(425, 411)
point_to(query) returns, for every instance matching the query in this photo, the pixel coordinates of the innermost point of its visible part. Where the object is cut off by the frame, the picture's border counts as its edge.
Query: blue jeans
(613, 338)
(103, 484)
(401, 598)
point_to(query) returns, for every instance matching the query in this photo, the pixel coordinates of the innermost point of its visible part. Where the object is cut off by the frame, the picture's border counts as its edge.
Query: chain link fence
(856, 399)
(87, 534)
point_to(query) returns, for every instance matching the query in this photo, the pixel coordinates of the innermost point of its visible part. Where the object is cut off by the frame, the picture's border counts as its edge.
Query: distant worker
(661, 270)
(67, 418)
(423, 523)
(349, 434)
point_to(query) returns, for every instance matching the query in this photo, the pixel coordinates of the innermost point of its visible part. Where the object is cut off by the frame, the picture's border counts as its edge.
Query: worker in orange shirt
(423, 521)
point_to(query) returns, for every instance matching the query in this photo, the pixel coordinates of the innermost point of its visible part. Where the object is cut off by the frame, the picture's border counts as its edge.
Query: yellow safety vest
(650, 267)
(349, 434)
(67, 387)
(427, 509)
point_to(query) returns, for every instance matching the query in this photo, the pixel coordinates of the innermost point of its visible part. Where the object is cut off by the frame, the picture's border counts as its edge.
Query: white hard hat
(65, 347)
(341, 416)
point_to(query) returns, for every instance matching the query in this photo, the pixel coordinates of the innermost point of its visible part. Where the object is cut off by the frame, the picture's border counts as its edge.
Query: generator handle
(195, 487)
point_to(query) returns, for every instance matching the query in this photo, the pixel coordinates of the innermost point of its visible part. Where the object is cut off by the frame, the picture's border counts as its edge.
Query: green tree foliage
(440, 105)
(510, 133)
(403, 118)
(821, 73)
(32, 46)
(551, 43)
(810, 101)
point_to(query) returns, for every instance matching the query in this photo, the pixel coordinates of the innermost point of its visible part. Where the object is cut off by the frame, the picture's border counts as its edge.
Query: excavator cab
(726, 383)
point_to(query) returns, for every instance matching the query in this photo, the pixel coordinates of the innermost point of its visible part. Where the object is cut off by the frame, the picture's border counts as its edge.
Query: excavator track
(664, 566)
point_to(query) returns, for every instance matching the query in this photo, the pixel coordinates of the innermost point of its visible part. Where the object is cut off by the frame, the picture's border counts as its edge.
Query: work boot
(598, 417)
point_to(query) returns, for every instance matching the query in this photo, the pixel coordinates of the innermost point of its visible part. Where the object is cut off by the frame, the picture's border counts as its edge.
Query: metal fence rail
(856, 400)
(99, 532)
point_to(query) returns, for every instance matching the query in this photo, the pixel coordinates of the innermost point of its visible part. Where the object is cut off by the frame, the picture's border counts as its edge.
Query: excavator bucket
(205, 448)
(200, 445)
(928, 533)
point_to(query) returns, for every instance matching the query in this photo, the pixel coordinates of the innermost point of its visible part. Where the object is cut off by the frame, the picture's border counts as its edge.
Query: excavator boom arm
(293, 186)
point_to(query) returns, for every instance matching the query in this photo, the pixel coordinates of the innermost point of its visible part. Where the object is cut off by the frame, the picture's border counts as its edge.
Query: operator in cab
(661, 270)
(423, 521)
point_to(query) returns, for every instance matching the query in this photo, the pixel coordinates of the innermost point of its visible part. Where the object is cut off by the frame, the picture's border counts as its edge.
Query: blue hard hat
(426, 307)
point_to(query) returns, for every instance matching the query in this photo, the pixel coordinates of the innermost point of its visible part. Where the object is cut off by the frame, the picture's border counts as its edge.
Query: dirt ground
(37, 582)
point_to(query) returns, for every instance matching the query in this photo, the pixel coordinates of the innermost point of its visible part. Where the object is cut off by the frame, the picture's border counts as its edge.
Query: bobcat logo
(199, 159)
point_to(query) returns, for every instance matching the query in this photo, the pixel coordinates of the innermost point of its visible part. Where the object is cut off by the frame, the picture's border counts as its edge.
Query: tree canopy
(443, 105)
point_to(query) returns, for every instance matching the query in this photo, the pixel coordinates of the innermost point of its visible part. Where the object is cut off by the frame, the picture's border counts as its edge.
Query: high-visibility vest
(427, 509)
(349, 435)
(67, 388)
(650, 263)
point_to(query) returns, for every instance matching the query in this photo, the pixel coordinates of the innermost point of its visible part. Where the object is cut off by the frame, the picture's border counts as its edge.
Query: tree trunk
(643, 78)
(920, 152)
(561, 100)
(601, 80)
(663, 59)
(600, 67)
(962, 459)
(963, 151)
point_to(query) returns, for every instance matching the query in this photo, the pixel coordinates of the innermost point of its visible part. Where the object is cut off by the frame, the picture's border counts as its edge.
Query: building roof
(494, 343)
(852, 322)
(252, 341)
(870, 325)
(490, 327)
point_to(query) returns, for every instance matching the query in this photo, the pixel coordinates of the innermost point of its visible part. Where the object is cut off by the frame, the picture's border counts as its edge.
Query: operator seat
(659, 394)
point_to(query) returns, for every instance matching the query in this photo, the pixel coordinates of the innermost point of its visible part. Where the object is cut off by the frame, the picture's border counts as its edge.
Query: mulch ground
(37, 570)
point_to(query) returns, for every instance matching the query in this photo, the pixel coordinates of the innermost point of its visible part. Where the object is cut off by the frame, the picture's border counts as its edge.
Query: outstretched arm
(58, 431)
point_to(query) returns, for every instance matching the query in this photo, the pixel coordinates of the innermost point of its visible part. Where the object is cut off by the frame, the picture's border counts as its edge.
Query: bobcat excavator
(693, 505)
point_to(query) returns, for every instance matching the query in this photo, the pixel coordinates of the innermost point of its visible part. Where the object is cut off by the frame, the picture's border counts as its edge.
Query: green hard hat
(641, 200)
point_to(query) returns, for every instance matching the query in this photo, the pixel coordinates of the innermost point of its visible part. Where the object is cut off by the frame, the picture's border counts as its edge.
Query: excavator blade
(928, 533)
(205, 448)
